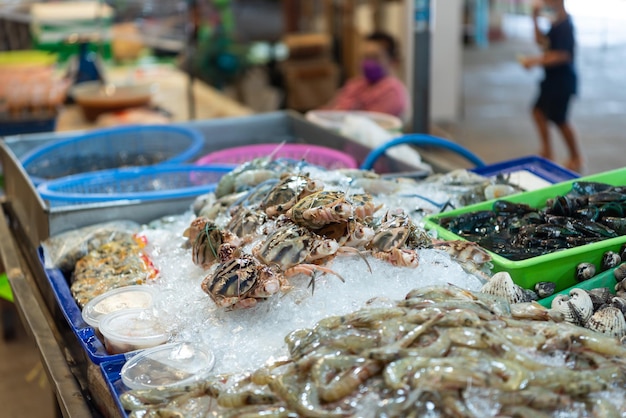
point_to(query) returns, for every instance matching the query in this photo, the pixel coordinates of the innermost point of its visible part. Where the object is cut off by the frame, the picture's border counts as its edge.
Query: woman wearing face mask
(560, 81)
(376, 89)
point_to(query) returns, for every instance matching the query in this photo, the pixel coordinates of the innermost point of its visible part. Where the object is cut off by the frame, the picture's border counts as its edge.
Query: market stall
(86, 369)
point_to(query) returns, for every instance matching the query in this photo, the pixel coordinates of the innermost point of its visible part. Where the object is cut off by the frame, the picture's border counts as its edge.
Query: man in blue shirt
(560, 81)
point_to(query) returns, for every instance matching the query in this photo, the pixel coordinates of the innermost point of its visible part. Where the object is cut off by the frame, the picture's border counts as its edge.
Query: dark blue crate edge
(111, 371)
(84, 333)
(539, 166)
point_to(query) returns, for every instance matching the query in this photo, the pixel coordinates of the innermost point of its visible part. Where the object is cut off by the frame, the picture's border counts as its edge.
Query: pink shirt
(386, 96)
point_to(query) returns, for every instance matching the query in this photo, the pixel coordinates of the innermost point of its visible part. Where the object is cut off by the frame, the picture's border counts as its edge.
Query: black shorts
(554, 104)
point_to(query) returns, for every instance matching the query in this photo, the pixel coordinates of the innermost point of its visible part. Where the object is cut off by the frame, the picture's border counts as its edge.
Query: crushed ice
(244, 339)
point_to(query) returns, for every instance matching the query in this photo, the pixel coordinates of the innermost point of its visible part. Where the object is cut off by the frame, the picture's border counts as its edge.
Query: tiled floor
(496, 126)
(498, 94)
(24, 388)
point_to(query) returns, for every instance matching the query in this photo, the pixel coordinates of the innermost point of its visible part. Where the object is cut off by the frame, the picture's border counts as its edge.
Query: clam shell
(620, 286)
(501, 284)
(619, 303)
(622, 252)
(620, 272)
(610, 259)
(545, 289)
(585, 271)
(608, 320)
(576, 307)
(600, 296)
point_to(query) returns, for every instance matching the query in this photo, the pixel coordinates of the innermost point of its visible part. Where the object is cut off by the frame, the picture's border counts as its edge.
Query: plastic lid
(168, 365)
(137, 327)
(126, 297)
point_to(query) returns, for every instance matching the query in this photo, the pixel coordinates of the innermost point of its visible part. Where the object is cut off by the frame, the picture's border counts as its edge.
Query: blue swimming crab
(210, 243)
(326, 207)
(295, 250)
(239, 282)
(287, 192)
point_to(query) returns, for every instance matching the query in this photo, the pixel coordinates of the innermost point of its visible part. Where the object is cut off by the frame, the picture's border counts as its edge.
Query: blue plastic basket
(538, 166)
(137, 183)
(113, 148)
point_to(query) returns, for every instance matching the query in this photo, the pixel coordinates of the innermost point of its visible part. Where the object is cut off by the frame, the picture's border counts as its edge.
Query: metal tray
(41, 221)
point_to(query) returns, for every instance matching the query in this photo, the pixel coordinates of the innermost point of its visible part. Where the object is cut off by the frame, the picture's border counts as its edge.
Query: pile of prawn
(441, 352)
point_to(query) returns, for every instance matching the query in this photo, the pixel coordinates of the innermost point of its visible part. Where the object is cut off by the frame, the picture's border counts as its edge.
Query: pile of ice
(245, 339)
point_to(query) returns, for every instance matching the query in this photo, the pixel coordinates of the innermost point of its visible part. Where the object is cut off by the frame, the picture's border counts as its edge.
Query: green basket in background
(5, 288)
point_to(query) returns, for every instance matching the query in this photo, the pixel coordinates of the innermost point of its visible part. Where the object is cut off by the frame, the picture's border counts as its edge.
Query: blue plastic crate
(111, 371)
(84, 333)
(113, 148)
(19, 127)
(533, 166)
(138, 183)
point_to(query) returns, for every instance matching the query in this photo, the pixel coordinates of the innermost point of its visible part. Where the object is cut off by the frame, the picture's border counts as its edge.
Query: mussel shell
(608, 320)
(620, 272)
(576, 307)
(545, 289)
(585, 271)
(501, 284)
(610, 259)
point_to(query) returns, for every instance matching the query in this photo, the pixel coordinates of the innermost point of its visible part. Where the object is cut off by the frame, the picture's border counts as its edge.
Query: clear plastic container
(169, 365)
(131, 329)
(127, 297)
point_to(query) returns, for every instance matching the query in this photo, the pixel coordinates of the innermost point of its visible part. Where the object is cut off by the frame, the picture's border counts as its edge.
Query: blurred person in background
(376, 89)
(560, 81)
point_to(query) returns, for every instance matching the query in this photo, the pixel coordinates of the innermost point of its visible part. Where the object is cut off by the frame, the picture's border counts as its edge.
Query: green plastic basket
(604, 279)
(5, 288)
(558, 267)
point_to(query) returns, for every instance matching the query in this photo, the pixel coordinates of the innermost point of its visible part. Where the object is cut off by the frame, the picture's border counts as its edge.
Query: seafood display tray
(89, 341)
(604, 279)
(111, 372)
(559, 266)
(40, 221)
(528, 171)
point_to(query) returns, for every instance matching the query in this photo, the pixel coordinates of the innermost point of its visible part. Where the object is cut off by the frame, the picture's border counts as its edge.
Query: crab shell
(608, 320)
(350, 234)
(245, 223)
(393, 232)
(402, 257)
(501, 285)
(291, 245)
(239, 279)
(287, 192)
(207, 246)
(319, 209)
(577, 307)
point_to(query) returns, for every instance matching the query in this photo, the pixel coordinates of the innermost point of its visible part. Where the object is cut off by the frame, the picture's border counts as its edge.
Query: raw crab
(294, 250)
(471, 256)
(397, 238)
(210, 243)
(326, 207)
(287, 192)
(240, 282)
(350, 234)
(245, 223)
